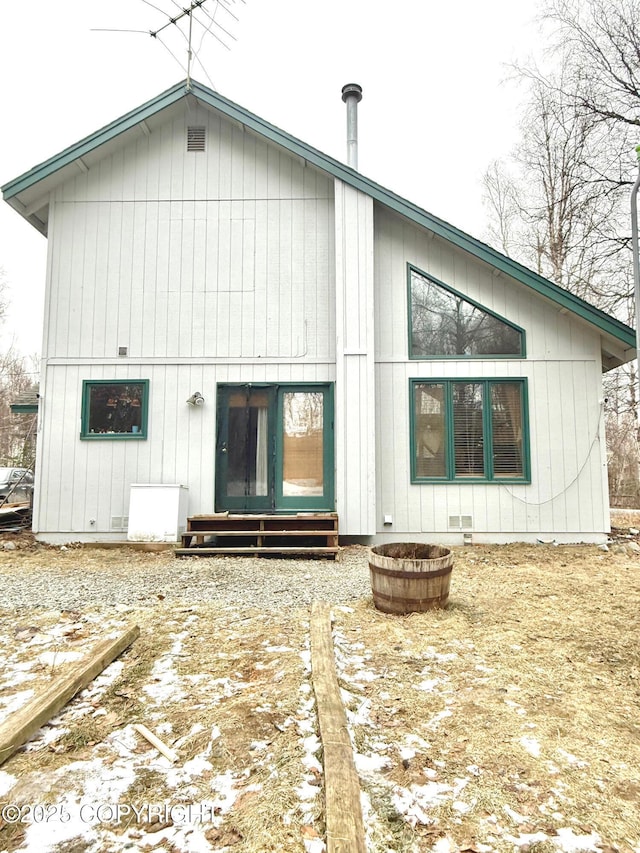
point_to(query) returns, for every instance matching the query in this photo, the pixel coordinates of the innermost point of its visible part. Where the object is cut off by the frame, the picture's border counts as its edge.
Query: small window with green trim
(469, 430)
(445, 324)
(115, 408)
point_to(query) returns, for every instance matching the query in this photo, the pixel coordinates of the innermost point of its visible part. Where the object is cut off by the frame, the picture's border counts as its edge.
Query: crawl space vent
(119, 522)
(195, 138)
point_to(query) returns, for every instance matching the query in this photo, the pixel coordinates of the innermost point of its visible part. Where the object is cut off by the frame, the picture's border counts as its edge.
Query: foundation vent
(196, 137)
(119, 522)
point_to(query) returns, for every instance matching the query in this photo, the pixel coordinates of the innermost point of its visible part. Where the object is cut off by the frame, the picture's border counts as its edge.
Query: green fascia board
(601, 320)
(89, 143)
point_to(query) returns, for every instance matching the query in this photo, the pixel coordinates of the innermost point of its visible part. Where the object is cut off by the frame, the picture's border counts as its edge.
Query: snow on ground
(421, 805)
(92, 798)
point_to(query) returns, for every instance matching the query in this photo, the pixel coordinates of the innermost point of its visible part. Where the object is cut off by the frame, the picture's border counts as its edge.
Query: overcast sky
(437, 108)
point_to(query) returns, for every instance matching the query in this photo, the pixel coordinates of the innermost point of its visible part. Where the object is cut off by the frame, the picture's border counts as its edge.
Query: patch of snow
(370, 763)
(428, 685)
(13, 702)
(515, 817)
(527, 839)
(531, 745)
(407, 753)
(437, 718)
(414, 802)
(432, 654)
(311, 744)
(305, 791)
(6, 782)
(569, 842)
(55, 658)
(364, 675)
(47, 836)
(418, 741)
(166, 684)
(44, 736)
(190, 769)
(571, 759)
(275, 649)
(19, 676)
(306, 659)
(314, 845)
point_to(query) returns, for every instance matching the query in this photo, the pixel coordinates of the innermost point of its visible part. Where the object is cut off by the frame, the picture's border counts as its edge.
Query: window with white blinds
(469, 430)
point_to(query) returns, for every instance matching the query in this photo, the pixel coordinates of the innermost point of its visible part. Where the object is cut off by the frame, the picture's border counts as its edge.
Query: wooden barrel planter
(409, 577)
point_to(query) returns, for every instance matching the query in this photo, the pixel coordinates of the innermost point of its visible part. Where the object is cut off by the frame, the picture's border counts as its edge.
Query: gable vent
(195, 138)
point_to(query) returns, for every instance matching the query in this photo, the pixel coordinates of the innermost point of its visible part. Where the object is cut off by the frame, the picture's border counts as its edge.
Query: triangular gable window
(445, 324)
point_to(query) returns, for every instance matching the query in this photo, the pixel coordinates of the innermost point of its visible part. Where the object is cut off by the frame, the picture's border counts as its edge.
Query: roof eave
(604, 322)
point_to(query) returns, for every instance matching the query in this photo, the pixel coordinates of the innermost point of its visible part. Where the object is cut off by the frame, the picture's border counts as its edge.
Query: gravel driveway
(78, 578)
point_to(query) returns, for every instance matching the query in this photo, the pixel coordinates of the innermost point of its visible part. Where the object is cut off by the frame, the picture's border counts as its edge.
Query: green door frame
(275, 501)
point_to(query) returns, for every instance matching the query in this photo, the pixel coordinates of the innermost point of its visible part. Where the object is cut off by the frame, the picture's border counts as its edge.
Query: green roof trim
(601, 320)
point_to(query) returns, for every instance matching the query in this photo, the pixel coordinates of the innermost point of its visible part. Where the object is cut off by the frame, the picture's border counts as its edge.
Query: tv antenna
(189, 11)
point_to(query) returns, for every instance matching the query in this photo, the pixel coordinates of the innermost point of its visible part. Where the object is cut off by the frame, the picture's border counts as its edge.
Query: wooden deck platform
(300, 534)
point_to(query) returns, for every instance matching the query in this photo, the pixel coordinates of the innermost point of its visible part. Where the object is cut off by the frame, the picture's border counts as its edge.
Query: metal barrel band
(439, 573)
(397, 600)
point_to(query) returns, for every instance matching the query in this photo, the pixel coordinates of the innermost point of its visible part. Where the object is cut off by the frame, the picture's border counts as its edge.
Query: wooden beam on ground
(345, 828)
(19, 727)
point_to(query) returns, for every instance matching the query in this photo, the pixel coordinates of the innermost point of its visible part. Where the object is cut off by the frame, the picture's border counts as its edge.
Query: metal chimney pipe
(352, 95)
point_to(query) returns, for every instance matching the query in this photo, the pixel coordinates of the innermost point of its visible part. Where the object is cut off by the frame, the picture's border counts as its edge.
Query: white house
(231, 310)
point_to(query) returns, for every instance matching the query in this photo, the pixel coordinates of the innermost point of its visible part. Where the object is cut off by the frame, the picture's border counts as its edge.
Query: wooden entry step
(304, 534)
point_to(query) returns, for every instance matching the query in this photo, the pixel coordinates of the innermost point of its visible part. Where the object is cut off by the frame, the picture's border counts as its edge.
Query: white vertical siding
(355, 393)
(567, 497)
(89, 479)
(209, 267)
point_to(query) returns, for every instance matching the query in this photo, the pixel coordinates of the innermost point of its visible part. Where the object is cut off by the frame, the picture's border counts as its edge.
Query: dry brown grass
(538, 642)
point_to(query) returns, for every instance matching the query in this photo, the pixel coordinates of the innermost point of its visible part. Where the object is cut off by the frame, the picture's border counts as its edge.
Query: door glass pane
(468, 441)
(506, 422)
(430, 435)
(247, 443)
(302, 443)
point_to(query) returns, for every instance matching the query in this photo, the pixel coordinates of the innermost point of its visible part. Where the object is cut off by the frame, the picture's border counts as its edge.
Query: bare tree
(17, 375)
(561, 204)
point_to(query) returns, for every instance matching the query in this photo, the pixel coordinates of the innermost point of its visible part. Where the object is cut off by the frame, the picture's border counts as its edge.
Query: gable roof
(27, 194)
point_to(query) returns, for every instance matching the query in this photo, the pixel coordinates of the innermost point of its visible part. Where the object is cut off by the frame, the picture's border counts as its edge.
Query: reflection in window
(443, 323)
(430, 436)
(302, 452)
(248, 442)
(114, 409)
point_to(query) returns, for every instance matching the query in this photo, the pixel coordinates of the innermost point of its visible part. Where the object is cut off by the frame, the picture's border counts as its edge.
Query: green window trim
(489, 443)
(138, 431)
(413, 270)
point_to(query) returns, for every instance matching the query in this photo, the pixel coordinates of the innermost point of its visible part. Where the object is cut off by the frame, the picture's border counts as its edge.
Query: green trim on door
(251, 447)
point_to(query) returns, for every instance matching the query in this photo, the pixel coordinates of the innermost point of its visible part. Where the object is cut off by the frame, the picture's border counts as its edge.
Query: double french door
(274, 448)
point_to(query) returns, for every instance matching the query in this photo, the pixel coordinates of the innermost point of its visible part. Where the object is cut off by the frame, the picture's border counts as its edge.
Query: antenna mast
(196, 4)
